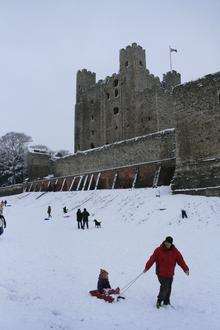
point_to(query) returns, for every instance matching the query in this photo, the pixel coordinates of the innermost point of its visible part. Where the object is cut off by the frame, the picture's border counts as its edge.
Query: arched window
(116, 110)
(140, 62)
(108, 96)
(92, 145)
(116, 92)
(126, 64)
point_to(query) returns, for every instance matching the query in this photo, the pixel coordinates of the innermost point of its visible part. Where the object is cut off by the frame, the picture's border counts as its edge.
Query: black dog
(97, 223)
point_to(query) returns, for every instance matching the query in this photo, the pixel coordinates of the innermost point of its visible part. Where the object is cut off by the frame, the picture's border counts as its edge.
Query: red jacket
(166, 260)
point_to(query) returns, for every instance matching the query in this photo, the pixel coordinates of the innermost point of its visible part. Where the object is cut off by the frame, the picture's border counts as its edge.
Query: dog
(97, 223)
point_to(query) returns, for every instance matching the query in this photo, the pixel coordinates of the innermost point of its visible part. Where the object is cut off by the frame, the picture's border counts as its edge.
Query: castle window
(116, 127)
(140, 62)
(108, 96)
(126, 64)
(116, 92)
(92, 145)
(92, 117)
(115, 83)
(115, 110)
(127, 125)
(92, 101)
(92, 132)
(149, 118)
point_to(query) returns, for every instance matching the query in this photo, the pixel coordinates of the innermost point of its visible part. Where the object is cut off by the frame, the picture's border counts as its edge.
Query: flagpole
(171, 69)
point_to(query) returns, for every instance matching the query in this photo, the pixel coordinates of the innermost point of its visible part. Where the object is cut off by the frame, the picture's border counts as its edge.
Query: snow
(48, 267)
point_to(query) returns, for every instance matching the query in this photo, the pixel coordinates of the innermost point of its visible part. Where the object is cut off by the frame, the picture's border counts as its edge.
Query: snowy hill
(48, 267)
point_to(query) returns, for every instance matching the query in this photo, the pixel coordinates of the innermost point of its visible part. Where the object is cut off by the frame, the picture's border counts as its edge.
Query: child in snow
(104, 289)
(65, 210)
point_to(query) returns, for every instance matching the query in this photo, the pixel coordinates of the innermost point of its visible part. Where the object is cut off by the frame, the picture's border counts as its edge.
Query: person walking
(79, 219)
(49, 211)
(184, 215)
(166, 256)
(85, 218)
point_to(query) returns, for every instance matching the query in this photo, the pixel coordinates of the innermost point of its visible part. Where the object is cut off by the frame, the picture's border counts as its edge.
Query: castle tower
(171, 79)
(84, 81)
(133, 66)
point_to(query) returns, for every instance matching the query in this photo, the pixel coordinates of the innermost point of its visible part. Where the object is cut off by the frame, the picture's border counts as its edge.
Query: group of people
(82, 219)
(2, 218)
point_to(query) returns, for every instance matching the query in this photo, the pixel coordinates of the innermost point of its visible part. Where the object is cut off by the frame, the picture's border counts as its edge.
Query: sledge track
(45, 192)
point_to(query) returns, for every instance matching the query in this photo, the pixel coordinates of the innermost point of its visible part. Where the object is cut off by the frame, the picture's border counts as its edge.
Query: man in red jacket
(166, 256)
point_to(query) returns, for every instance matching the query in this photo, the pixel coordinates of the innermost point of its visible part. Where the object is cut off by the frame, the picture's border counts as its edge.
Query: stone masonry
(130, 103)
(197, 116)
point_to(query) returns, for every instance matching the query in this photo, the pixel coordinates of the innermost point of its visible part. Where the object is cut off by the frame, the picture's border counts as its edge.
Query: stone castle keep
(133, 130)
(128, 104)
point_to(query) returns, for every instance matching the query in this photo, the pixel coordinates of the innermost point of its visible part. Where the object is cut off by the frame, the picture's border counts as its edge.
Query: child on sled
(104, 290)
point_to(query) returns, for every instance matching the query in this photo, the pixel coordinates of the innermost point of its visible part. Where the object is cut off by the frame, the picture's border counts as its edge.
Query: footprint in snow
(56, 313)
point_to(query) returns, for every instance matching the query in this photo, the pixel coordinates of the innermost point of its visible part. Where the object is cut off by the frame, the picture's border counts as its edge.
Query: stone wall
(11, 190)
(145, 149)
(38, 165)
(197, 115)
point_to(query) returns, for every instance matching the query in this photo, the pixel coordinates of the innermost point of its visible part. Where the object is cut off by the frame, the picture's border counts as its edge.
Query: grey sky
(44, 43)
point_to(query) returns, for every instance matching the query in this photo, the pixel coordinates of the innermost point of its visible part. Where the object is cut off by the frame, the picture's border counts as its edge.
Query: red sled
(105, 296)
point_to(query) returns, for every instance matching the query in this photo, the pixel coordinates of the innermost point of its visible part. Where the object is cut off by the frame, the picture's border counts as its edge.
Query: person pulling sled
(166, 256)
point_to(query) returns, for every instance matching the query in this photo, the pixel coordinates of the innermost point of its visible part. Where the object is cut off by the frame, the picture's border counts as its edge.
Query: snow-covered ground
(48, 267)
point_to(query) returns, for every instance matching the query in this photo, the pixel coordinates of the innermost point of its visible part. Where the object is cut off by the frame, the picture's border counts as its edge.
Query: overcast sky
(44, 43)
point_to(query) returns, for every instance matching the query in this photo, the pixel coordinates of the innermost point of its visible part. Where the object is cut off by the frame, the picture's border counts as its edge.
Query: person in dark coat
(184, 215)
(166, 256)
(85, 218)
(65, 210)
(2, 224)
(103, 285)
(79, 219)
(49, 211)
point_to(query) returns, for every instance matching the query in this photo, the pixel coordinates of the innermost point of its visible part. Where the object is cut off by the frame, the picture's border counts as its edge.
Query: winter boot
(166, 302)
(158, 304)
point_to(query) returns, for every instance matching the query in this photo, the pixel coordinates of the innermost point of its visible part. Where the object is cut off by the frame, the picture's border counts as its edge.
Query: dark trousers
(85, 223)
(80, 226)
(184, 215)
(165, 289)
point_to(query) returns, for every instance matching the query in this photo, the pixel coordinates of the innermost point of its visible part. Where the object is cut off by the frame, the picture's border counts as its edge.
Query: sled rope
(129, 284)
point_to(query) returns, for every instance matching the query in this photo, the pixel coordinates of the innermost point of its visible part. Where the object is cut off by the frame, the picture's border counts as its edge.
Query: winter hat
(103, 272)
(169, 239)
